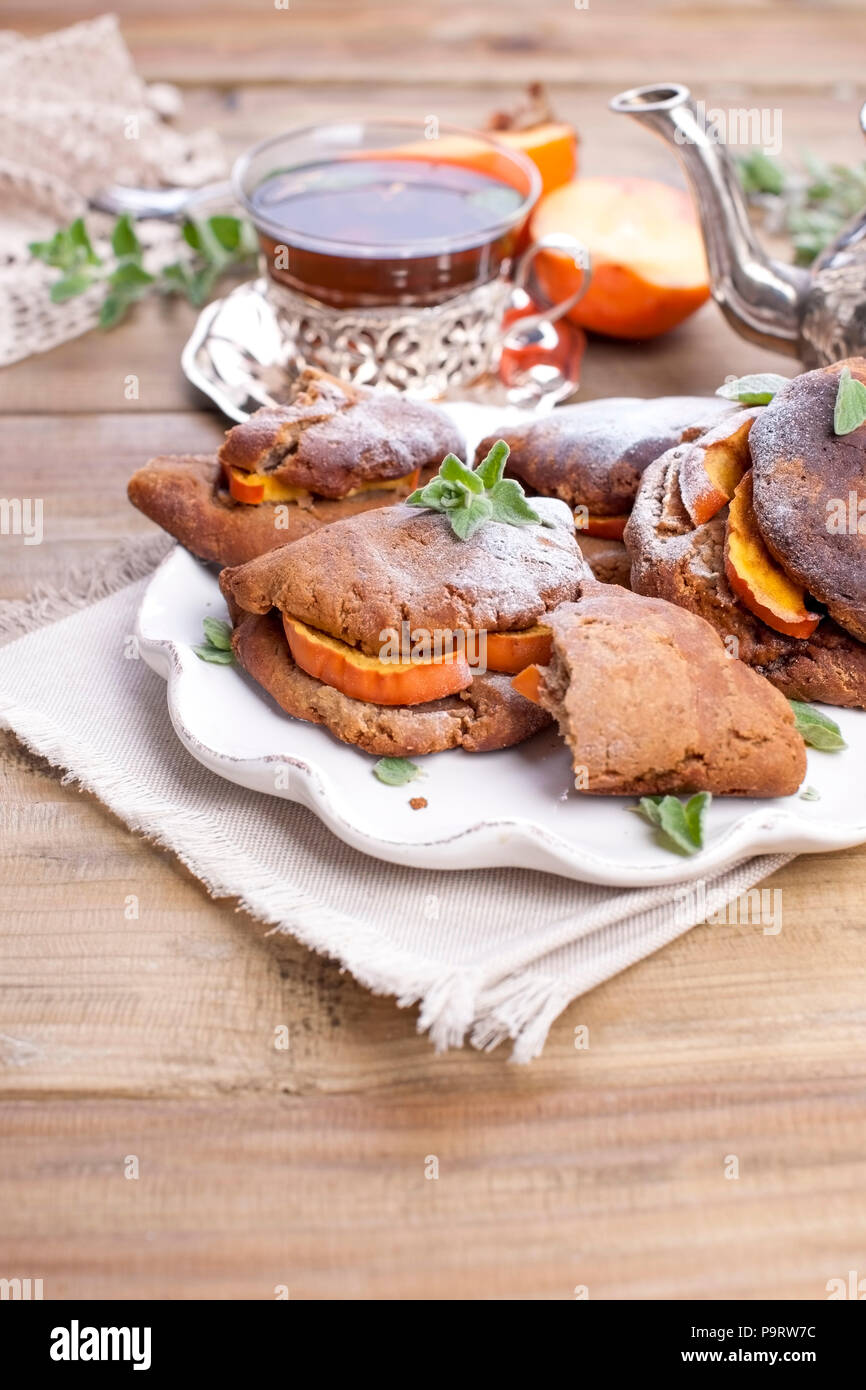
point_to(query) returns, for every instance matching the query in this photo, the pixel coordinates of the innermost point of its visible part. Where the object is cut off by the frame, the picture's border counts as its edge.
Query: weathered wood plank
(79, 465)
(772, 47)
(185, 999)
(538, 1191)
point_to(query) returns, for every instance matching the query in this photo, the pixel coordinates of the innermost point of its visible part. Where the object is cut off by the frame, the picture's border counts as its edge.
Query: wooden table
(603, 1168)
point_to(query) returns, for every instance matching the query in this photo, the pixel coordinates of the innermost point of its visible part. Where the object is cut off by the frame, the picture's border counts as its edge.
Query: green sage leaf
(70, 285)
(226, 230)
(849, 412)
(454, 471)
(491, 468)
(124, 241)
(816, 728)
(757, 389)
(79, 239)
(760, 173)
(396, 772)
(218, 633)
(113, 309)
(681, 825)
(465, 521)
(215, 655)
(510, 505)
(131, 278)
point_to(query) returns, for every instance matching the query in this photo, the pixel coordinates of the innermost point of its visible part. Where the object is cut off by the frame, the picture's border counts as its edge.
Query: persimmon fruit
(649, 270)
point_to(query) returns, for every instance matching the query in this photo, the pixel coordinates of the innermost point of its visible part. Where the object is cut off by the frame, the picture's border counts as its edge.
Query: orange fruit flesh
(379, 682)
(364, 677)
(725, 465)
(710, 475)
(649, 266)
(511, 651)
(552, 147)
(756, 579)
(254, 488)
(527, 683)
(608, 528)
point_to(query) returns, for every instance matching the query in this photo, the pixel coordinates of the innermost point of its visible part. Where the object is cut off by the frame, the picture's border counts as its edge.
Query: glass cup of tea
(396, 254)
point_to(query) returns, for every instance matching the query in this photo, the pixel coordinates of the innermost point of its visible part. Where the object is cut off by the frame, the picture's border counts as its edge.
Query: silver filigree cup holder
(428, 351)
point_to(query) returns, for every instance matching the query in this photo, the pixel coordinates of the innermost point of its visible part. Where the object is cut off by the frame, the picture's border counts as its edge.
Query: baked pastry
(592, 455)
(673, 559)
(187, 496)
(341, 628)
(336, 450)
(649, 701)
(488, 714)
(804, 475)
(608, 559)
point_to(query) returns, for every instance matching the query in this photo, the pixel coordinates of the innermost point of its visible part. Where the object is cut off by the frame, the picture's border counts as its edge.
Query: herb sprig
(757, 389)
(681, 826)
(217, 646)
(811, 206)
(817, 729)
(849, 412)
(471, 496)
(396, 772)
(217, 245)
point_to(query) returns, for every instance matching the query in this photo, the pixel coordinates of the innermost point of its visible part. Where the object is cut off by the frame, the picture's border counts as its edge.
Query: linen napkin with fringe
(488, 956)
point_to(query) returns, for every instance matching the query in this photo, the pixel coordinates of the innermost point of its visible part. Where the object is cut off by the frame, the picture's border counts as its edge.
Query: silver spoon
(167, 203)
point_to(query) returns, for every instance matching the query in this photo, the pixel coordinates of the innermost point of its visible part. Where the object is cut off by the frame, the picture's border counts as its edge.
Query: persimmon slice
(364, 677)
(527, 683)
(608, 528)
(756, 578)
(245, 487)
(254, 488)
(512, 651)
(712, 466)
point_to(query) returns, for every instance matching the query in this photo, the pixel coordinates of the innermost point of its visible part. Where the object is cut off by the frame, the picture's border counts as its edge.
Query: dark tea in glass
(364, 215)
(388, 250)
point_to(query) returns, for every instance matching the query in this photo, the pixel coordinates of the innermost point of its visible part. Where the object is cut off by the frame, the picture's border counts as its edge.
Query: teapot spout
(762, 298)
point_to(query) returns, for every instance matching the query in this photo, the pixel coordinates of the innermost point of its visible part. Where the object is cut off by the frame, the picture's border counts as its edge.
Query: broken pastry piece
(335, 451)
(370, 626)
(649, 701)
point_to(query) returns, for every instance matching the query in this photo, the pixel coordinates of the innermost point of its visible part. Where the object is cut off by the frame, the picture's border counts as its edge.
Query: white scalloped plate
(514, 808)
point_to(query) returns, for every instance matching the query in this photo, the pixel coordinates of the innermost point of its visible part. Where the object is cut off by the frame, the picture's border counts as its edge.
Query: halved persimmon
(364, 677)
(527, 683)
(552, 147)
(756, 578)
(512, 651)
(649, 270)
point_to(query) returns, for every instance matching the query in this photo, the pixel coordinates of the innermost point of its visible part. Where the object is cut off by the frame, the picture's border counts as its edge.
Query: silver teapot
(817, 315)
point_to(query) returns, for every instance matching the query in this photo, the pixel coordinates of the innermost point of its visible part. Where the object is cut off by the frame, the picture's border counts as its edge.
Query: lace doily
(75, 117)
